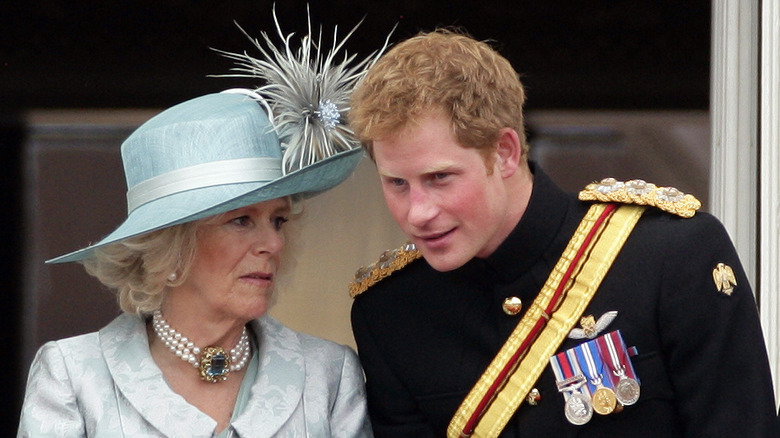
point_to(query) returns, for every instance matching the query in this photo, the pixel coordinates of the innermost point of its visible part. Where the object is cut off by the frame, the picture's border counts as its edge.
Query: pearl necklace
(214, 364)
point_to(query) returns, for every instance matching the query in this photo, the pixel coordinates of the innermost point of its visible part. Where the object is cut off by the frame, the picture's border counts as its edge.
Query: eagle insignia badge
(724, 278)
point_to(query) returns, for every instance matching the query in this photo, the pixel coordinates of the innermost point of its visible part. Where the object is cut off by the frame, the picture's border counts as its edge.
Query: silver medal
(578, 409)
(627, 390)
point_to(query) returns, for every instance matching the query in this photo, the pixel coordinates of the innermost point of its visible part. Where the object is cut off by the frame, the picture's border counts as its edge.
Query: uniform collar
(536, 231)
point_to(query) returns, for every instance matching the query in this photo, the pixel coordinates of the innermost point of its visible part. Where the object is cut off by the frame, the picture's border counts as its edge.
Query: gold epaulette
(389, 262)
(639, 192)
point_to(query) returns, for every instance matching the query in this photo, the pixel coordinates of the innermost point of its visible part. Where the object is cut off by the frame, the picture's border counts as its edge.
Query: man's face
(442, 195)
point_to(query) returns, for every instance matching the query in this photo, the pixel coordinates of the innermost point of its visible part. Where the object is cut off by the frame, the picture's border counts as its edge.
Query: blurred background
(618, 88)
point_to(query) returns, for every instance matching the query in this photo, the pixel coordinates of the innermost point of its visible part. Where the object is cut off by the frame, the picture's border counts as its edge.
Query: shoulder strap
(639, 192)
(568, 290)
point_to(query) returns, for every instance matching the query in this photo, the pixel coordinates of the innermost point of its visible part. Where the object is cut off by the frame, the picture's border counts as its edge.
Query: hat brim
(200, 203)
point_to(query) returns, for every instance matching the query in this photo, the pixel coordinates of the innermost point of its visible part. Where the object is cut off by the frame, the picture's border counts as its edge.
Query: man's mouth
(433, 238)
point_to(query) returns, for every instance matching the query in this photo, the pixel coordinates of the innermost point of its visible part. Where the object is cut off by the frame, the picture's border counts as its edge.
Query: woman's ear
(508, 151)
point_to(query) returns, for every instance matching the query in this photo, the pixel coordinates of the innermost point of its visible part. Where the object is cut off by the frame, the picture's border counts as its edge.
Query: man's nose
(422, 207)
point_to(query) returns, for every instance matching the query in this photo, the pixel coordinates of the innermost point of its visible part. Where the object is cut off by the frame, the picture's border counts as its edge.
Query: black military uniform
(424, 337)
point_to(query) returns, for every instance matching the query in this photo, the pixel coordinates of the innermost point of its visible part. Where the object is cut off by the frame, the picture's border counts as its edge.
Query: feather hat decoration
(306, 90)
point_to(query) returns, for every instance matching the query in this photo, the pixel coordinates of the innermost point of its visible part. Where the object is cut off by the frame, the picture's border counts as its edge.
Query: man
(641, 314)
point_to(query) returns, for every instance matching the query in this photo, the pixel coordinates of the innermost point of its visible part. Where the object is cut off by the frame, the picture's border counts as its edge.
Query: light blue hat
(220, 152)
(206, 156)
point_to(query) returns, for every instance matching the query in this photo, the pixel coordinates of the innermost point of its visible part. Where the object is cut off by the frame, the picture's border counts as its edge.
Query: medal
(627, 390)
(578, 407)
(604, 401)
(613, 349)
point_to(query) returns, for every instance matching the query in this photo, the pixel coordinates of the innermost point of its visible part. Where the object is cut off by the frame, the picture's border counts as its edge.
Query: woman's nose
(268, 240)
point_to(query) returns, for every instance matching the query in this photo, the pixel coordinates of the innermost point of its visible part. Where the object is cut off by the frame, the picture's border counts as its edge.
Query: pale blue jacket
(105, 384)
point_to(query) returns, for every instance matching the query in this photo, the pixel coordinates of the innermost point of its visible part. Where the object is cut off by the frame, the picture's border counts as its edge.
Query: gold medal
(604, 400)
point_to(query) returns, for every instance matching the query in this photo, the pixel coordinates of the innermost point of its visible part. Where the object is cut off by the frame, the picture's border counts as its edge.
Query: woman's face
(236, 262)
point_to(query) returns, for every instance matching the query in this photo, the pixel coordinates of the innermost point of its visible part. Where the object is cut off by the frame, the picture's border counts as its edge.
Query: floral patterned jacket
(105, 384)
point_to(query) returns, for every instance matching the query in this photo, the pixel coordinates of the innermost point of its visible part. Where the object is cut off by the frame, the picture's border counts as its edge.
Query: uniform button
(512, 305)
(534, 397)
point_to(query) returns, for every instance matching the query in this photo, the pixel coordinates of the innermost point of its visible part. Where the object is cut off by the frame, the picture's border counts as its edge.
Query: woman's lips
(258, 277)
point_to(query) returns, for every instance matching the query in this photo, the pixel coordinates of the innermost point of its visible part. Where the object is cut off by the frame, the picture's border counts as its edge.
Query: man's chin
(443, 262)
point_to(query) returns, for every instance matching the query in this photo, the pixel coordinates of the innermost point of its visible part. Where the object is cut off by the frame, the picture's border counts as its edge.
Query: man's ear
(509, 152)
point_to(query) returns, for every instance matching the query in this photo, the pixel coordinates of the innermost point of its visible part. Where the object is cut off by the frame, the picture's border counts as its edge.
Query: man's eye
(397, 182)
(440, 177)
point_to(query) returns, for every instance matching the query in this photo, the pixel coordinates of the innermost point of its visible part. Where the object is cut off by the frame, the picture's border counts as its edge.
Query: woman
(194, 265)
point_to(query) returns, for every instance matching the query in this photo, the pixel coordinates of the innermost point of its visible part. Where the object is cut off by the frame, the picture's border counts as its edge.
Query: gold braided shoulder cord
(636, 191)
(389, 262)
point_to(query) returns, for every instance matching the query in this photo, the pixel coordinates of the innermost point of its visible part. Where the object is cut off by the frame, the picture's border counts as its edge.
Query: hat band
(242, 170)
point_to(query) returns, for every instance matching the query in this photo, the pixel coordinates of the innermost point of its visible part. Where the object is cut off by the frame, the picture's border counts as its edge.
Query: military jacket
(424, 337)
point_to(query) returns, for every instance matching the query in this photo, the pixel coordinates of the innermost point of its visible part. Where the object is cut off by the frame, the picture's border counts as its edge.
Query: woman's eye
(279, 222)
(241, 220)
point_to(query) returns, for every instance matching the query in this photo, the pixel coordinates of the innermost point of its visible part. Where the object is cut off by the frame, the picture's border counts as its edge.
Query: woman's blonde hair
(138, 268)
(446, 71)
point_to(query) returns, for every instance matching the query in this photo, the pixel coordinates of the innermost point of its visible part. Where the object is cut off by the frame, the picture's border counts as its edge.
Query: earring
(172, 277)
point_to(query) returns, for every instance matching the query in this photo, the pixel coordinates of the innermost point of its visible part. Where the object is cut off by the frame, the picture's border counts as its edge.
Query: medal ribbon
(575, 368)
(592, 362)
(560, 367)
(564, 373)
(505, 383)
(611, 345)
(607, 349)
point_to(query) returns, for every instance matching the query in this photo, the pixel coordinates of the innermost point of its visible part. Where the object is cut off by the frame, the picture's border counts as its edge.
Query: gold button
(534, 397)
(512, 305)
